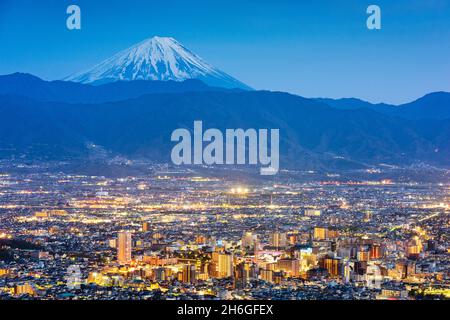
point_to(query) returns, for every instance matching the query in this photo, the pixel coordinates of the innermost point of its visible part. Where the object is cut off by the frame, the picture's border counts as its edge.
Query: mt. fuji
(157, 58)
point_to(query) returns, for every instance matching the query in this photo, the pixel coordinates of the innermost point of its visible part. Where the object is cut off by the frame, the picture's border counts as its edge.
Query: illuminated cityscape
(202, 159)
(179, 234)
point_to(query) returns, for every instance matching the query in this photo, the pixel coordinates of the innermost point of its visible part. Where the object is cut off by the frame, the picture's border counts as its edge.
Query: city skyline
(154, 172)
(189, 235)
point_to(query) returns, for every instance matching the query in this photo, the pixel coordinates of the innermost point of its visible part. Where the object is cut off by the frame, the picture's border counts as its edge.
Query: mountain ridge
(435, 105)
(28, 85)
(313, 135)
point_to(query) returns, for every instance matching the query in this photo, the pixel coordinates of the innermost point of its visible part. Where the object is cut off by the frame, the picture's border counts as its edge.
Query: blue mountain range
(134, 119)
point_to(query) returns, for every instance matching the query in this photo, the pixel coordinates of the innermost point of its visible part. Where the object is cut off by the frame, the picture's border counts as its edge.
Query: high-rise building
(124, 247)
(189, 274)
(145, 226)
(289, 265)
(363, 255)
(222, 265)
(225, 265)
(414, 247)
(243, 272)
(24, 288)
(332, 265)
(312, 213)
(347, 270)
(375, 251)
(320, 233)
(278, 239)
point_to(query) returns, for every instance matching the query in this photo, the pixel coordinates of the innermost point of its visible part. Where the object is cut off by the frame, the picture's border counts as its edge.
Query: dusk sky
(310, 48)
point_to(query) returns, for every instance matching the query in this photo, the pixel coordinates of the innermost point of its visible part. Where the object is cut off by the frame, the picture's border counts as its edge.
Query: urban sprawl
(183, 235)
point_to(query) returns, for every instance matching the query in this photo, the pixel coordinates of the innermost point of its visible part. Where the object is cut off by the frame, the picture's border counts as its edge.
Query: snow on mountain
(157, 58)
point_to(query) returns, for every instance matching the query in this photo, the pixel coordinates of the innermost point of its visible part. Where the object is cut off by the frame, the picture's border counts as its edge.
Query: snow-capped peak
(157, 58)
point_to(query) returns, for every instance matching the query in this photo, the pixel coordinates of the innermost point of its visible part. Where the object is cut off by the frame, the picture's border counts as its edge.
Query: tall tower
(224, 264)
(124, 247)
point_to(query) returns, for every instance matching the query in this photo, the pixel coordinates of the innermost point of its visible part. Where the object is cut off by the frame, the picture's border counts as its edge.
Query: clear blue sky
(312, 48)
